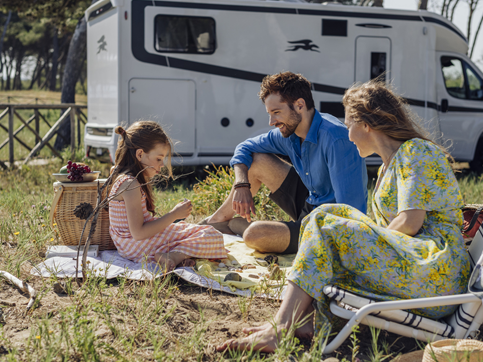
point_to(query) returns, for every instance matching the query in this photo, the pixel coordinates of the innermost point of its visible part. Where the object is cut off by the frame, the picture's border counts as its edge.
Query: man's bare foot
(265, 340)
(187, 262)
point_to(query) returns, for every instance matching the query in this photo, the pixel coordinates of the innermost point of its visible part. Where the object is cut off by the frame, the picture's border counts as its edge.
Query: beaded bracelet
(242, 184)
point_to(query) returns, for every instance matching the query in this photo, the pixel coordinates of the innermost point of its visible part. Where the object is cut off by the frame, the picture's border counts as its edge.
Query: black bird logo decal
(102, 44)
(304, 44)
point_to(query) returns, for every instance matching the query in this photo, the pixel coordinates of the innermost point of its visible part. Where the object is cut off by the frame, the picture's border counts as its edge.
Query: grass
(121, 320)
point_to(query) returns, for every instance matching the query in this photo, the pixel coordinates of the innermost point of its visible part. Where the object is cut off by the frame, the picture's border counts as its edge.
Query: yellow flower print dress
(339, 245)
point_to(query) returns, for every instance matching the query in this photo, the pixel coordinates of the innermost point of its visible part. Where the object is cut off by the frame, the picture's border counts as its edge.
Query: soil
(221, 310)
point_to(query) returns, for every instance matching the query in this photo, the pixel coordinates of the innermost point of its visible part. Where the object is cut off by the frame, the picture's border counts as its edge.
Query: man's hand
(243, 203)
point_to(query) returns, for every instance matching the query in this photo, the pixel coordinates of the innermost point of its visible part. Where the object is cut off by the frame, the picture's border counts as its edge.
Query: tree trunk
(423, 5)
(476, 36)
(73, 66)
(3, 36)
(55, 62)
(378, 3)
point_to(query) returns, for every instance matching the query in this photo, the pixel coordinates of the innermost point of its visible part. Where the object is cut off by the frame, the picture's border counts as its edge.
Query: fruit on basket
(75, 171)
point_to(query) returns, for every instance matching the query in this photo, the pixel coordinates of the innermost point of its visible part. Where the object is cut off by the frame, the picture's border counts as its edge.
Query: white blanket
(110, 264)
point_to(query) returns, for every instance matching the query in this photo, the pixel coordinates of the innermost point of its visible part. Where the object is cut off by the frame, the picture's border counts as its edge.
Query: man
(326, 167)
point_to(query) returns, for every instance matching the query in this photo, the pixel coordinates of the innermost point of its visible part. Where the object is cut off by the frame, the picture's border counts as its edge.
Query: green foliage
(210, 194)
(62, 14)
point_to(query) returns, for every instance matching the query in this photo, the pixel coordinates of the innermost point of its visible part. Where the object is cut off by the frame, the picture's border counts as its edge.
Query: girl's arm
(408, 222)
(138, 228)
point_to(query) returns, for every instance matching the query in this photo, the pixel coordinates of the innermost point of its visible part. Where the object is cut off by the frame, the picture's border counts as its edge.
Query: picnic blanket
(209, 274)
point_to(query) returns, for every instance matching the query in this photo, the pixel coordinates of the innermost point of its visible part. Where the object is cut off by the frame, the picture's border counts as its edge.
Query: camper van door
(460, 97)
(373, 58)
(171, 103)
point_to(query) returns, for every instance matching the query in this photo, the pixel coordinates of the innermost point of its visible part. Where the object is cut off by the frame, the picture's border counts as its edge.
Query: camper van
(196, 66)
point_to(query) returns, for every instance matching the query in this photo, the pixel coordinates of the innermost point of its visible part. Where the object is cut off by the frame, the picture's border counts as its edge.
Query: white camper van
(196, 67)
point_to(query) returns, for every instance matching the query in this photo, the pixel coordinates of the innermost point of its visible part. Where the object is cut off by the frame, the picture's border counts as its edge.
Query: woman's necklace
(386, 165)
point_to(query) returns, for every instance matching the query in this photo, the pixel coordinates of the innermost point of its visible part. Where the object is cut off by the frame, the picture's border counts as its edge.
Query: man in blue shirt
(326, 167)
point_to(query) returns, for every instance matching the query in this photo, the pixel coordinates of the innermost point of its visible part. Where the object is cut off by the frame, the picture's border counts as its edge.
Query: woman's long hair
(143, 135)
(375, 104)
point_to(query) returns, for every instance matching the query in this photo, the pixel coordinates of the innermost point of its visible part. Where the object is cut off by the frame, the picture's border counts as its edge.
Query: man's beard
(290, 127)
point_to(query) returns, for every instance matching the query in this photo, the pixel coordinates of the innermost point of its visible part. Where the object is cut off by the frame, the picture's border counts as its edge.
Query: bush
(210, 194)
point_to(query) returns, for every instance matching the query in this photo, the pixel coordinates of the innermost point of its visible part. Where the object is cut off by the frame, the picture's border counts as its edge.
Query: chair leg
(399, 304)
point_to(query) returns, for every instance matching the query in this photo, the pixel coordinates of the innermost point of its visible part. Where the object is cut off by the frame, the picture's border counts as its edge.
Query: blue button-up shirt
(327, 162)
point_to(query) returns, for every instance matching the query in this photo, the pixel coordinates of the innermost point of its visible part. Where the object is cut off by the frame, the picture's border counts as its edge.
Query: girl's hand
(182, 210)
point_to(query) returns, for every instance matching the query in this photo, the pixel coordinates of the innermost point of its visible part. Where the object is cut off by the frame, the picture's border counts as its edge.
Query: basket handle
(58, 193)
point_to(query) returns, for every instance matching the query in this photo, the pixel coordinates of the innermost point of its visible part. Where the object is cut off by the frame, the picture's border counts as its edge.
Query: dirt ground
(220, 310)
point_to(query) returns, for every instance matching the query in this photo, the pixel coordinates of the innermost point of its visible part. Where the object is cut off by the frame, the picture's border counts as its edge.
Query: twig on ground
(23, 286)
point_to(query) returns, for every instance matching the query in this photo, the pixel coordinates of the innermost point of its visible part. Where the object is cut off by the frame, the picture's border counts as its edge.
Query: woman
(414, 249)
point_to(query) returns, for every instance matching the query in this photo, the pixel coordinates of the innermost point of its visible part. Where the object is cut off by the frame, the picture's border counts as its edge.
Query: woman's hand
(243, 203)
(408, 222)
(182, 210)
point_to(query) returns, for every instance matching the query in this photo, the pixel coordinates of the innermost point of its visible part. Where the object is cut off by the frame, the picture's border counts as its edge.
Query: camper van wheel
(476, 165)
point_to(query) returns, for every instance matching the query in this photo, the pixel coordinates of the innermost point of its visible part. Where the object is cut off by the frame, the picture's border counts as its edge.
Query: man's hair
(290, 86)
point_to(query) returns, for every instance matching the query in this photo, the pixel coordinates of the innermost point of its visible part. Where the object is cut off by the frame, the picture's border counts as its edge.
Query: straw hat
(446, 350)
(449, 350)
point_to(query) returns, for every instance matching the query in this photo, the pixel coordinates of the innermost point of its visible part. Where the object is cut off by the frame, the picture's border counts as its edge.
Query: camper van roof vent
(374, 26)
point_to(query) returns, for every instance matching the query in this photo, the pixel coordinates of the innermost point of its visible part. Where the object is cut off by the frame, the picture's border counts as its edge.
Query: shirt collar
(312, 135)
(314, 128)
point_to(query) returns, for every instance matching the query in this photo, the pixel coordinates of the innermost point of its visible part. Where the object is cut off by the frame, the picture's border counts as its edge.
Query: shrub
(210, 194)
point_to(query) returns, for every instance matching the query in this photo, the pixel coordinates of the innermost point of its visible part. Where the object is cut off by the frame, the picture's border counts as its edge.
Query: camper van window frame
(464, 66)
(468, 89)
(215, 45)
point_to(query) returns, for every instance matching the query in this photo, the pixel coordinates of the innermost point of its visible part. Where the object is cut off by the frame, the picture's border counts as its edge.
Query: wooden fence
(72, 113)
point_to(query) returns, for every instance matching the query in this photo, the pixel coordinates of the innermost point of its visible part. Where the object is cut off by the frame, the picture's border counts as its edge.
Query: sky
(460, 19)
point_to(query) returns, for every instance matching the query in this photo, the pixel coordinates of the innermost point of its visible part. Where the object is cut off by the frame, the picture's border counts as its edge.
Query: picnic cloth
(109, 264)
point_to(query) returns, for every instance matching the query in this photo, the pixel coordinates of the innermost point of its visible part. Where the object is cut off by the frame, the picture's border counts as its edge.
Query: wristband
(242, 184)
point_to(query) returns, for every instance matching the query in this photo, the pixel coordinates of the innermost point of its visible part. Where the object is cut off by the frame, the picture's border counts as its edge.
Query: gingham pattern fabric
(197, 241)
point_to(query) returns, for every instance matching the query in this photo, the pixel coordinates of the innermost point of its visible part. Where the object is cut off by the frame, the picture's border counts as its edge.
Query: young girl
(134, 230)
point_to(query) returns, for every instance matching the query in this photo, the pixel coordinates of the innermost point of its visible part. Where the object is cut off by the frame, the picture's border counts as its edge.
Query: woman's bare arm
(408, 222)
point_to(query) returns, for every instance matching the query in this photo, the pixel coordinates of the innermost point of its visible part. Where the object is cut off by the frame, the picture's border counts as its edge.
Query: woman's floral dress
(339, 245)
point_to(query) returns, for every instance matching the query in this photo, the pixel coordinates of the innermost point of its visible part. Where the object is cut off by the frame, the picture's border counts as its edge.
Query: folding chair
(393, 317)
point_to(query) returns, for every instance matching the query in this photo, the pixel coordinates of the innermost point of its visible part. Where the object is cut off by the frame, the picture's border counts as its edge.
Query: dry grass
(36, 97)
(122, 320)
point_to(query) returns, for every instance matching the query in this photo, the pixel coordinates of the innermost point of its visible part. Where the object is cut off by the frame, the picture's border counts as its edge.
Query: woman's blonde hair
(375, 104)
(143, 135)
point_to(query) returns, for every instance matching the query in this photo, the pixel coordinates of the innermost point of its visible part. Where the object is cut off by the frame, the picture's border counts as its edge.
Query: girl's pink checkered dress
(197, 241)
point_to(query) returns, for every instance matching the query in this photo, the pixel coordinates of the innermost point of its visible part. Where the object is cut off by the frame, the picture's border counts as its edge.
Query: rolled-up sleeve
(343, 160)
(271, 142)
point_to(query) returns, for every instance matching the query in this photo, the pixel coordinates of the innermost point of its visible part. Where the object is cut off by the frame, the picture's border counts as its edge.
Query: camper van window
(378, 65)
(185, 34)
(454, 78)
(475, 83)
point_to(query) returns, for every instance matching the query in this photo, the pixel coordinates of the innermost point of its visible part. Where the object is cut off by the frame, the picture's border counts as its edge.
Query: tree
(423, 5)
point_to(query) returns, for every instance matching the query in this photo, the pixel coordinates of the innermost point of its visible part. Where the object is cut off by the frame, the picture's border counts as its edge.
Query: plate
(87, 177)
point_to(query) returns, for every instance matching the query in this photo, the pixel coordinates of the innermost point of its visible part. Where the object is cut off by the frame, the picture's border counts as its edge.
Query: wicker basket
(67, 196)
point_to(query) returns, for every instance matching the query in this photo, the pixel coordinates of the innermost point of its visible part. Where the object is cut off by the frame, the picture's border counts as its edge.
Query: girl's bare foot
(265, 340)
(187, 262)
(165, 260)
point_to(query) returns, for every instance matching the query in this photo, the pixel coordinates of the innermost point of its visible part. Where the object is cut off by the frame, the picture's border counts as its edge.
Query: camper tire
(476, 165)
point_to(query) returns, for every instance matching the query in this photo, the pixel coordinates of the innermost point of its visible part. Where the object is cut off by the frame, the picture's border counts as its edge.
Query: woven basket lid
(416, 356)
(451, 350)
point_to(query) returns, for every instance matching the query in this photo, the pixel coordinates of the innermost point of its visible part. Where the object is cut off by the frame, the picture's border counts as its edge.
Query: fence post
(72, 130)
(78, 127)
(37, 123)
(10, 136)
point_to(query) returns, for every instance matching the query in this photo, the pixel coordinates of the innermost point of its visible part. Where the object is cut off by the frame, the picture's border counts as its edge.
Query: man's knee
(253, 235)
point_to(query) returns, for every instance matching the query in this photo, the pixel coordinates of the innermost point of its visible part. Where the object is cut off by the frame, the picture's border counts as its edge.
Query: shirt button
(307, 173)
